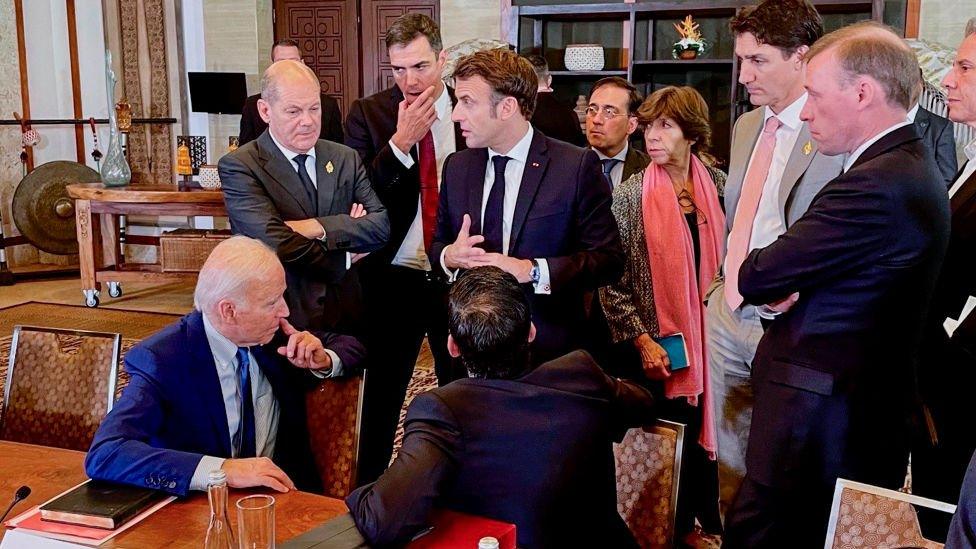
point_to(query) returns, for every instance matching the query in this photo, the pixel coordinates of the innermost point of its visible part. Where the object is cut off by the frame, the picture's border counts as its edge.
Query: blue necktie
(608, 165)
(310, 190)
(491, 223)
(244, 437)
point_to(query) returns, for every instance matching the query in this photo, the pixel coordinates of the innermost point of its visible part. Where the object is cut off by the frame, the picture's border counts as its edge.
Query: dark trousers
(764, 517)
(403, 305)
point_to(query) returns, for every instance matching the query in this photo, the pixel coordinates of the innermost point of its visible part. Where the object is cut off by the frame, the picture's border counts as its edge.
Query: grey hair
(271, 78)
(230, 268)
(970, 27)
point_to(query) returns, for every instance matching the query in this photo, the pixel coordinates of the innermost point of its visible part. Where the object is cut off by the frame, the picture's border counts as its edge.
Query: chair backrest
(334, 416)
(648, 463)
(868, 516)
(60, 384)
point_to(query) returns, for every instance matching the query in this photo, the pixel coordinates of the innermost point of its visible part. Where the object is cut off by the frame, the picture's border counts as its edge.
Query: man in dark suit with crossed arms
(536, 207)
(403, 135)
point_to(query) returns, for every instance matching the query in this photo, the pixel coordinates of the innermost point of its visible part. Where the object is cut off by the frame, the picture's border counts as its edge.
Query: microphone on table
(21, 495)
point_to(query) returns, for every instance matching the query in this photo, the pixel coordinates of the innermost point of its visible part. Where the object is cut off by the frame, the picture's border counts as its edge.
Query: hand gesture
(654, 358)
(463, 254)
(784, 305)
(414, 120)
(309, 228)
(521, 269)
(304, 350)
(357, 211)
(259, 471)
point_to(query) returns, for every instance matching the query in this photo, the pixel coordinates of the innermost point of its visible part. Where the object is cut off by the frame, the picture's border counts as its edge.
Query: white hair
(271, 79)
(230, 268)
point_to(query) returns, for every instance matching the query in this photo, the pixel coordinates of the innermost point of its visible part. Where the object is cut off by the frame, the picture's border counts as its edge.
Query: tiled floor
(161, 298)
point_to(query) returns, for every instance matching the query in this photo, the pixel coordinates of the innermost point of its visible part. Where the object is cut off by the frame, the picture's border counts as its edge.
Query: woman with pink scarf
(672, 227)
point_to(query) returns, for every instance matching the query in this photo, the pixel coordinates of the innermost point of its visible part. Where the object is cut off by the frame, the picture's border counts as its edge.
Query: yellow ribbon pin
(808, 148)
(328, 167)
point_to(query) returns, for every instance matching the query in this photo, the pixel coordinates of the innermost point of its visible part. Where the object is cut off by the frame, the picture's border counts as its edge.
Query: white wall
(944, 21)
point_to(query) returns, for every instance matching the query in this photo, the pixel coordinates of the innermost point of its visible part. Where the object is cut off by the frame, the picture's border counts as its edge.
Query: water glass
(256, 522)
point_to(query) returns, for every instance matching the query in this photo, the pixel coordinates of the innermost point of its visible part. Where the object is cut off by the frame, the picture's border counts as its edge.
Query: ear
(226, 311)
(452, 348)
(632, 124)
(264, 109)
(801, 54)
(442, 58)
(531, 332)
(868, 92)
(509, 108)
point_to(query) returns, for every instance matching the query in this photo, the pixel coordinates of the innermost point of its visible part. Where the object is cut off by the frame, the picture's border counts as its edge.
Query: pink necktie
(745, 213)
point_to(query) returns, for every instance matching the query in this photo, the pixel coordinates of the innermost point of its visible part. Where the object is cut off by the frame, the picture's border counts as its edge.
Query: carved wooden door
(327, 33)
(377, 16)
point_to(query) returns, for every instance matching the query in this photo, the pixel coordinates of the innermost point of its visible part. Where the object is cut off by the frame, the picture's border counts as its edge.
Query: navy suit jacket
(172, 413)
(864, 259)
(936, 132)
(562, 214)
(534, 451)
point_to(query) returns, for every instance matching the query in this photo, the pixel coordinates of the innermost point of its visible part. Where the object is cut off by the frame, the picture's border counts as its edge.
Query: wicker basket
(185, 250)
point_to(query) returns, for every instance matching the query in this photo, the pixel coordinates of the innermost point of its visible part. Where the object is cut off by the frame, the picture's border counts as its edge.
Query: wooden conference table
(182, 523)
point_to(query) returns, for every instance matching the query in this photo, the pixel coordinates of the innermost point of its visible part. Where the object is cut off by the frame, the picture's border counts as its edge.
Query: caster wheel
(115, 289)
(92, 301)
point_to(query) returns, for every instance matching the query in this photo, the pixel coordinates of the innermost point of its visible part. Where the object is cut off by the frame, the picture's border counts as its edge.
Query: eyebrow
(414, 66)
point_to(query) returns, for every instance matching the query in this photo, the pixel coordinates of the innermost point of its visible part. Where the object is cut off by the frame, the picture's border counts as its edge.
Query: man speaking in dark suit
(403, 135)
(834, 373)
(936, 132)
(309, 199)
(536, 207)
(252, 125)
(527, 446)
(222, 388)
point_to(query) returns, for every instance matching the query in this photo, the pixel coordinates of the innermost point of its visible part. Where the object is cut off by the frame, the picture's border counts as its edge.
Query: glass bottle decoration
(115, 170)
(219, 534)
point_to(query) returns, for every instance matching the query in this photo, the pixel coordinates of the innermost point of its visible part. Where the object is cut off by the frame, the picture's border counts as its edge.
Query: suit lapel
(207, 382)
(800, 158)
(535, 167)
(747, 134)
(325, 182)
(922, 121)
(283, 174)
(476, 180)
(965, 193)
(633, 163)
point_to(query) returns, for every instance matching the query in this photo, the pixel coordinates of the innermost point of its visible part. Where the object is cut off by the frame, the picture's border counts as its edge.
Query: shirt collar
(621, 156)
(442, 106)
(790, 116)
(223, 349)
(864, 146)
(288, 153)
(912, 113)
(520, 151)
(970, 150)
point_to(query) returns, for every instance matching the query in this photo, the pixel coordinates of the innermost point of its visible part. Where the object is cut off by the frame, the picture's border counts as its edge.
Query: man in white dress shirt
(775, 170)
(222, 388)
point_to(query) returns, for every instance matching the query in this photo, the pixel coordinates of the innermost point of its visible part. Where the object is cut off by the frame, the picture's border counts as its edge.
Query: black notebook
(101, 504)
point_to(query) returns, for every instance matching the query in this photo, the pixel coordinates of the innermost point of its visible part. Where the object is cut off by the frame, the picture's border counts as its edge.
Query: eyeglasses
(609, 113)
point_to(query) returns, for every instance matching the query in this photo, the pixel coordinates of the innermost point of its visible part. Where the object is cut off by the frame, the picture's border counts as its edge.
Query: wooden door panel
(377, 16)
(327, 35)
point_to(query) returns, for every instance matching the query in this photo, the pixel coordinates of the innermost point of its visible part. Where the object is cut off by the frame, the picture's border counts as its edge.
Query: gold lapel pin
(328, 167)
(808, 148)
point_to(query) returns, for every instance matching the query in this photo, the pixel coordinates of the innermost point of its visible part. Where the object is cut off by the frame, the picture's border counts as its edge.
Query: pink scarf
(678, 297)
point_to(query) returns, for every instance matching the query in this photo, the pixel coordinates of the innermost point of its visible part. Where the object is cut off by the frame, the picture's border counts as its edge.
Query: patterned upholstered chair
(648, 461)
(870, 517)
(60, 384)
(334, 415)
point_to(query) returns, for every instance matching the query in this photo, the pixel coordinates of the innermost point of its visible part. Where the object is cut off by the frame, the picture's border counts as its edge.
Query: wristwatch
(535, 274)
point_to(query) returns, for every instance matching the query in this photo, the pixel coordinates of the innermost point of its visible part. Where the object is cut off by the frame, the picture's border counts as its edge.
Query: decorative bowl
(209, 177)
(584, 57)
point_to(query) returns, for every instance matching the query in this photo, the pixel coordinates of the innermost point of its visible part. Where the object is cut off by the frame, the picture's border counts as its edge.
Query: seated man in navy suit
(532, 447)
(182, 415)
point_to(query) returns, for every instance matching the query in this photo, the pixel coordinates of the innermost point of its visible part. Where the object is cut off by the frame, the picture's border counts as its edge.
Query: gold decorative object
(183, 166)
(232, 143)
(123, 111)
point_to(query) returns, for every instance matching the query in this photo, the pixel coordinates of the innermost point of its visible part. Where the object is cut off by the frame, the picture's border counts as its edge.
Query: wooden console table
(97, 210)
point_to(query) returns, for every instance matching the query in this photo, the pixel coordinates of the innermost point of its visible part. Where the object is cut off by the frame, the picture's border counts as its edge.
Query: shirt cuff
(336, 366)
(348, 264)
(202, 473)
(451, 275)
(764, 311)
(405, 159)
(324, 234)
(543, 287)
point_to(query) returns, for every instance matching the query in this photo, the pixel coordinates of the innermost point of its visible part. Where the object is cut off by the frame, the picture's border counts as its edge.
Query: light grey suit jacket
(807, 170)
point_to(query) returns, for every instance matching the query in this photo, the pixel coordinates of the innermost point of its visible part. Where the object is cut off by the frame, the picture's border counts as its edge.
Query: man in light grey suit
(308, 199)
(775, 170)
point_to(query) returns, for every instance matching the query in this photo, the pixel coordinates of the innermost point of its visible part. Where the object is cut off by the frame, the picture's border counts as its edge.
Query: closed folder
(677, 350)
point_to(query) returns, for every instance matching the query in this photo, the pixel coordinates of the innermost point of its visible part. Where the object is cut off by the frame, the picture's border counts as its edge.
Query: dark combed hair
(784, 24)
(540, 65)
(507, 73)
(489, 319)
(634, 97)
(408, 27)
(285, 43)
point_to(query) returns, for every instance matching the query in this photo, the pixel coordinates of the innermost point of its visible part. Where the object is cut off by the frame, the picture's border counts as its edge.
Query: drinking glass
(256, 522)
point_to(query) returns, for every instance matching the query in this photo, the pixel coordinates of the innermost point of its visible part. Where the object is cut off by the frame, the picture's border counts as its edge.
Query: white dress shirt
(864, 146)
(513, 182)
(912, 113)
(617, 172)
(770, 220)
(412, 253)
(967, 170)
(265, 405)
